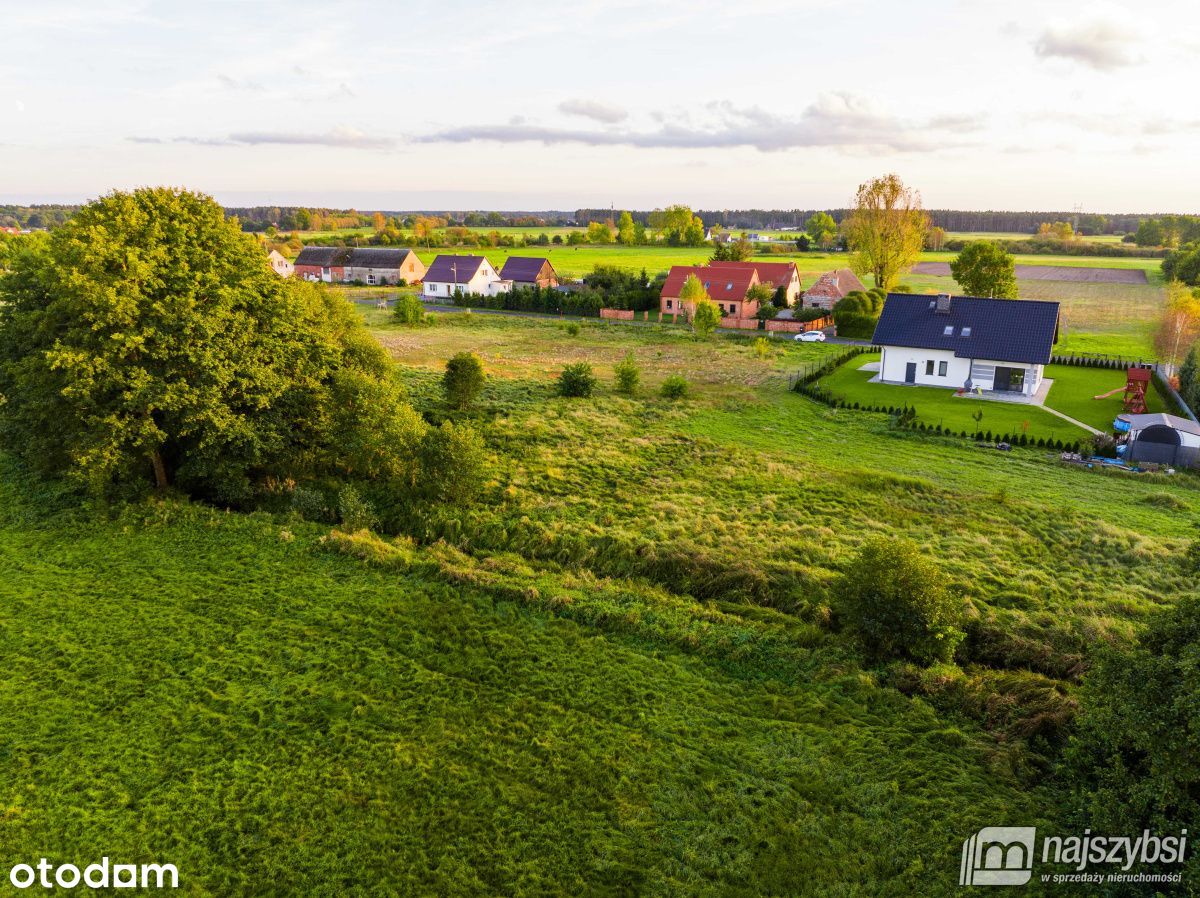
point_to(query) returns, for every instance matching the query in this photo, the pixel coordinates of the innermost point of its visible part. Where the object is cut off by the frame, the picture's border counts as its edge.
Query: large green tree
(886, 229)
(821, 228)
(984, 268)
(149, 338)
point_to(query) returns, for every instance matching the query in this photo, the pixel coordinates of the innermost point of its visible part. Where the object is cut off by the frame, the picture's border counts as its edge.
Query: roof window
(966, 332)
(948, 330)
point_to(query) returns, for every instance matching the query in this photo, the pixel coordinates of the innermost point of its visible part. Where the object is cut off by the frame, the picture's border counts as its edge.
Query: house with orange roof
(727, 287)
(774, 274)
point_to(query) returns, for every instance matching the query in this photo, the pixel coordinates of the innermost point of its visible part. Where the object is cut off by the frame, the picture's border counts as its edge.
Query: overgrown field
(616, 673)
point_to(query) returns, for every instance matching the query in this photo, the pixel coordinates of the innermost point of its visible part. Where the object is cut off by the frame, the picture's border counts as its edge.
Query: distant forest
(295, 218)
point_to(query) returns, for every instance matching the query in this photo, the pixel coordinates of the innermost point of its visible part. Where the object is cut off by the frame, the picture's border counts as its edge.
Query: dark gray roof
(522, 268)
(358, 256)
(321, 255)
(377, 257)
(1141, 422)
(453, 269)
(1002, 330)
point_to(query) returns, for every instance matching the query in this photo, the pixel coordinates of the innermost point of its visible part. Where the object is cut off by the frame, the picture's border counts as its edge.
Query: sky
(519, 105)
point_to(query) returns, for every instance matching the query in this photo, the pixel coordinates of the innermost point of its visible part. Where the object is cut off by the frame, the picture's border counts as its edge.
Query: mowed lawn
(1075, 388)
(936, 405)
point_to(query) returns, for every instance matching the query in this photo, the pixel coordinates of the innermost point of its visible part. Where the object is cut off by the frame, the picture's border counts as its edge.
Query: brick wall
(618, 314)
(799, 327)
(745, 324)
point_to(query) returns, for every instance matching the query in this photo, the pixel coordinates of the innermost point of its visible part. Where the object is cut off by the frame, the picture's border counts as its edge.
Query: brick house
(774, 274)
(529, 272)
(368, 265)
(727, 287)
(830, 287)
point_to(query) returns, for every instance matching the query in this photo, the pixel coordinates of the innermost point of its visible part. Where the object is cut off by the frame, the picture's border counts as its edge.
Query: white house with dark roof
(462, 274)
(966, 342)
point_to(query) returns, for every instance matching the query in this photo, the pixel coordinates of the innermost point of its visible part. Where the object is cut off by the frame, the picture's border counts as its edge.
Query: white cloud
(834, 120)
(600, 112)
(1103, 44)
(344, 138)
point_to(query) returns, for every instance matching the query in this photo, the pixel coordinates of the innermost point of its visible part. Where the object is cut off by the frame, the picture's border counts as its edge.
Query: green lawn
(936, 405)
(1075, 388)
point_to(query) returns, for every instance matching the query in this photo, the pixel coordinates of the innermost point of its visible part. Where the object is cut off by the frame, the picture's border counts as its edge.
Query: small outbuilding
(1161, 440)
(524, 271)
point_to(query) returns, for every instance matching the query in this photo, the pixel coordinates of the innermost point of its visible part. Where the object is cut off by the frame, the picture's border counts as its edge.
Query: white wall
(981, 372)
(485, 282)
(896, 359)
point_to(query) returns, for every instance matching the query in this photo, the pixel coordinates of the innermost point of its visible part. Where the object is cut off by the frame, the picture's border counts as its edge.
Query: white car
(811, 337)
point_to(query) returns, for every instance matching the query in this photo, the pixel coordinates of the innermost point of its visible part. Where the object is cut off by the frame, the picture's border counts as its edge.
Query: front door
(1009, 380)
(910, 373)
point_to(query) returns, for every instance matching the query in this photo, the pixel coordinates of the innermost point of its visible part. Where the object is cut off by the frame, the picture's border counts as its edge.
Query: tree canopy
(886, 229)
(984, 268)
(821, 228)
(148, 337)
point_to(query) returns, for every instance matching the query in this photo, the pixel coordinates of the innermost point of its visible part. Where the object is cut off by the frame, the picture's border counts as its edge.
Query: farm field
(1010, 235)
(1075, 274)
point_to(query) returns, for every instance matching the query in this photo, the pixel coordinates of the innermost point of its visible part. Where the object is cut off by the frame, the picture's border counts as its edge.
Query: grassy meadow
(615, 673)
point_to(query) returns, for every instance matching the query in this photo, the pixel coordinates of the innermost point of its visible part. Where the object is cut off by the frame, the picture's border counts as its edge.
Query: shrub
(628, 375)
(762, 347)
(355, 512)
(453, 463)
(577, 380)
(311, 505)
(408, 311)
(572, 329)
(1132, 758)
(674, 387)
(463, 381)
(897, 602)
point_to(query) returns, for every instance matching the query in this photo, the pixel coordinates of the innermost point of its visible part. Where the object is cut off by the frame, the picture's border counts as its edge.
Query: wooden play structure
(1137, 381)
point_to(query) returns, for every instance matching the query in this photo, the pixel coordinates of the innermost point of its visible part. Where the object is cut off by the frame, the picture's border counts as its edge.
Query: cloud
(236, 84)
(600, 112)
(1102, 44)
(344, 138)
(835, 120)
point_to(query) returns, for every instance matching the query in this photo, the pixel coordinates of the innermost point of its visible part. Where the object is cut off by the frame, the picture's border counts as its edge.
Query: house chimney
(943, 303)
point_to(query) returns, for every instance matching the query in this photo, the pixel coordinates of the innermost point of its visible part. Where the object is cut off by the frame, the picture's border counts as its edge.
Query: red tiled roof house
(830, 287)
(726, 286)
(774, 274)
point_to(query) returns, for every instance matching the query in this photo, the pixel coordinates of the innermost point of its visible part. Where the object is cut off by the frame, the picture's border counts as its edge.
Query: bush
(311, 505)
(628, 375)
(355, 512)
(572, 329)
(463, 381)
(408, 311)
(896, 601)
(1133, 757)
(453, 463)
(577, 380)
(674, 387)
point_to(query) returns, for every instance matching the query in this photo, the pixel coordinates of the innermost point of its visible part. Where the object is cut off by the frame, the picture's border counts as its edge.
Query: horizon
(280, 104)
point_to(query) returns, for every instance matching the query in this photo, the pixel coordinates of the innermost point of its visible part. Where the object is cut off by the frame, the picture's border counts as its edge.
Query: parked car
(811, 337)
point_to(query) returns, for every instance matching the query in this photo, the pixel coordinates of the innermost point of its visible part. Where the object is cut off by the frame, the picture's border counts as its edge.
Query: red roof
(723, 285)
(777, 274)
(835, 284)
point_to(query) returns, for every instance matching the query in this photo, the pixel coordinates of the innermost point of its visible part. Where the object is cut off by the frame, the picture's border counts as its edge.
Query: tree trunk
(160, 469)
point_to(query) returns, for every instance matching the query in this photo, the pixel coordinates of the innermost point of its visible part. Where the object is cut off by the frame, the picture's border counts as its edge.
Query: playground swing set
(1137, 381)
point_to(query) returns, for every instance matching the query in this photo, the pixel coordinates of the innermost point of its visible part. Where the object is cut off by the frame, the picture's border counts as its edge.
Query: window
(729, 286)
(706, 285)
(942, 369)
(668, 303)
(370, 278)
(948, 330)
(966, 332)
(929, 367)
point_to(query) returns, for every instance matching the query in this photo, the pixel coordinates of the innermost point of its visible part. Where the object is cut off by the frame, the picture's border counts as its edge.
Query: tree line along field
(612, 674)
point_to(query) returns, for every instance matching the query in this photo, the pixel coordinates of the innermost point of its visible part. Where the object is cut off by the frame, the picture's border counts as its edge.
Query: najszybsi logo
(1004, 856)
(998, 856)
